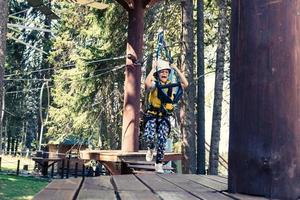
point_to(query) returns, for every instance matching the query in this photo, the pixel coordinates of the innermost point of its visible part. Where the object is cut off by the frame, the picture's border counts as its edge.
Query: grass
(19, 188)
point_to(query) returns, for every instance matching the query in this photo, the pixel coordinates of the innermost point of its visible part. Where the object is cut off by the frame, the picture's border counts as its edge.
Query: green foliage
(82, 93)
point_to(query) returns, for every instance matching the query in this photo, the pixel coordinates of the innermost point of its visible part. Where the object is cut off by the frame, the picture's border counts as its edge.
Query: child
(157, 116)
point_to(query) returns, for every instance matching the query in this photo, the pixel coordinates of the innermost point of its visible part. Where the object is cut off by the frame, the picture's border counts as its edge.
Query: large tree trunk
(200, 90)
(3, 31)
(264, 153)
(218, 97)
(188, 109)
(132, 84)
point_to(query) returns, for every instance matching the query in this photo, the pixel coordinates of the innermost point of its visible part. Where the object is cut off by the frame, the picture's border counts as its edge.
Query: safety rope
(175, 84)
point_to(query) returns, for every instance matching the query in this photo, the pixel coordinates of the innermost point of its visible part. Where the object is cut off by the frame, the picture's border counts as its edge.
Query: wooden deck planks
(217, 178)
(60, 189)
(156, 183)
(167, 195)
(164, 188)
(142, 186)
(128, 183)
(188, 184)
(207, 182)
(129, 187)
(97, 188)
(140, 195)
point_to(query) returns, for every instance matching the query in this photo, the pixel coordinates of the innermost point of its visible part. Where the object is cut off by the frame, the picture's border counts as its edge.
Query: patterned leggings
(160, 125)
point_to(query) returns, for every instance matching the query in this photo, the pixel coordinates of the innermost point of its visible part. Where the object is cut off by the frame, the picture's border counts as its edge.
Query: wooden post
(62, 168)
(83, 171)
(132, 85)
(18, 168)
(45, 168)
(52, 170)
(76, 169)
(264, 154)
(68, 168)
(0, 163)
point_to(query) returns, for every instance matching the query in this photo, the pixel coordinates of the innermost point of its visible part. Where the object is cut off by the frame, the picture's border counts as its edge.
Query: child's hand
(175, 67)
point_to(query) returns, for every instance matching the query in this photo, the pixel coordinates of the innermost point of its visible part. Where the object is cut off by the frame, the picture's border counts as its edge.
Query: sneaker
(159, 168)
(149, 155)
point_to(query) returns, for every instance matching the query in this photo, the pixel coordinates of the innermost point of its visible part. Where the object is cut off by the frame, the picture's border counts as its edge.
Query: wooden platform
(118, 162)
(142, 186)
(118, 155)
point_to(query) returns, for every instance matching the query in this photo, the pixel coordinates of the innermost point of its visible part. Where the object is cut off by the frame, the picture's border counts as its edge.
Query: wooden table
(45, 163)
(142, 186)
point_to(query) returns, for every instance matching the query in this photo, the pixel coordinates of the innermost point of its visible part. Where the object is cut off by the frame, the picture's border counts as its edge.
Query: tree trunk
(132, 84)
(200, 90)
(218, 97)
(187, 114)
(3, 31)
(8, 145)
(264, 153)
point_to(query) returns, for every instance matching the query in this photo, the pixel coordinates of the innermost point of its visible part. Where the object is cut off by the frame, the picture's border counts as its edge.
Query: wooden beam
(124, 4)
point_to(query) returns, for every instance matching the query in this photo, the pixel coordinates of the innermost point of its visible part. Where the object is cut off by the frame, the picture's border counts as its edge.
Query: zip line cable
(98, 61)
(30, 72)
(20, 26)
(70, 65)
(27, 79)
(25, 90)
(93, 62)
(69, 81)
(22, 11)
(81, 79)
(27, 20)
(81, 73)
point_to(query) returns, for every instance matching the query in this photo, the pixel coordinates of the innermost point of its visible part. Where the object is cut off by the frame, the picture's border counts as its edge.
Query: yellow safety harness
(156, 105)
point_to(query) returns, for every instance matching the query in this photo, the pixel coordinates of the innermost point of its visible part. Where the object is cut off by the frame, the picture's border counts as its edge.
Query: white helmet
(162, 64)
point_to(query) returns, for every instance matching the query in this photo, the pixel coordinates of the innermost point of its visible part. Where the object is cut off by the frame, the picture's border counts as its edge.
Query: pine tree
(3, 32)
(218, 97)
(188, 107)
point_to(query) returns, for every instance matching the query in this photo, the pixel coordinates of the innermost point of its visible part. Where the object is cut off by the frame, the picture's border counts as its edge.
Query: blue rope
(161, 45)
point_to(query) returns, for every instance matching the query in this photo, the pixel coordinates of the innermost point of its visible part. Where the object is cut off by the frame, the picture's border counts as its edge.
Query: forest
(63, 77)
